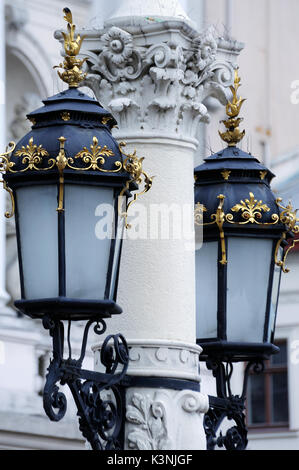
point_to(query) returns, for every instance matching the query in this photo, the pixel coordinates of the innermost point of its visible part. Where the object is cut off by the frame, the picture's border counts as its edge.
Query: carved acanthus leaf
(150, 418)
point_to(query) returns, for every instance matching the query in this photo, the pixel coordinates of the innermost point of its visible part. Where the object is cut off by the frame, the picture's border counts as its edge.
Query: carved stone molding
(161, 359)
(164, 419)
(16, 16)
(155, 78)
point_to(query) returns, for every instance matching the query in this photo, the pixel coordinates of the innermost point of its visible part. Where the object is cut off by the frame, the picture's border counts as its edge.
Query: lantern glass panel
(248, 271)
(89, 213)
(118, 234)
(38, 232)
(206, 290)
(274, 296)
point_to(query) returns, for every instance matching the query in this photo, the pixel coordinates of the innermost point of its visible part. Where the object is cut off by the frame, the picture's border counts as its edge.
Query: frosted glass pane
(274, 295)
(88, 219)
(119, 236)
(39, 240)
(206, 290)
(248, 270)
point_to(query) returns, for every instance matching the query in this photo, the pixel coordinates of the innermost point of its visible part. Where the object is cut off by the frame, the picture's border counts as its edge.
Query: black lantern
(69, 182)
(239, 263)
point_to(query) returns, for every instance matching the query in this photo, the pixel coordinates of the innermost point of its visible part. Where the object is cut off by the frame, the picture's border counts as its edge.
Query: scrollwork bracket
(99, 397)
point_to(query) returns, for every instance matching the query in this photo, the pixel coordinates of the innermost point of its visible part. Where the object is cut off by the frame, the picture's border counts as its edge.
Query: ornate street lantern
(238, 266)
(69, 182)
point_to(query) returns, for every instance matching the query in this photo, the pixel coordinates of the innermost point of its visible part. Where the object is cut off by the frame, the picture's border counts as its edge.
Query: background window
(267, 395)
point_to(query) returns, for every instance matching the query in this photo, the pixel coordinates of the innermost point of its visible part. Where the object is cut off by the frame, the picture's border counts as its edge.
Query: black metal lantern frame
(70, 151)
(242, 206)
(100, 418)
(234, 202)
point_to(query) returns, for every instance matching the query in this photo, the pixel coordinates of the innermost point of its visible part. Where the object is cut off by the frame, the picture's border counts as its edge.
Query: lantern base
(62, 308)
(236, 352)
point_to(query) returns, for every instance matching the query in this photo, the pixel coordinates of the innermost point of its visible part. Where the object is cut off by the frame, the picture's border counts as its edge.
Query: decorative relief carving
(149, 418)
(164, 419)
(158, 86)
(117, 46)
(164, 359)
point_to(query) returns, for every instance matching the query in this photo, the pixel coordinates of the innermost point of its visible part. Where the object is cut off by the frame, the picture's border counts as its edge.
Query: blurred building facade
(269, 70)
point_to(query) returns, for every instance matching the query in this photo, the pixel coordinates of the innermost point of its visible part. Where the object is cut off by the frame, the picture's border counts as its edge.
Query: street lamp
(69, 182)
(238, 268)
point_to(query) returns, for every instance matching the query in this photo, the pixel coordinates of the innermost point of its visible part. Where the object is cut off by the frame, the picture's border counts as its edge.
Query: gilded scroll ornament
(133, 165)
(251, 210)
(94, 158)
(7, 165)
(198, 213)
(32, 156)
(288, 216)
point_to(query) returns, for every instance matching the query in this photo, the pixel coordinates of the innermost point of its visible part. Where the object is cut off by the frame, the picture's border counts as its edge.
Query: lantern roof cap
(233, 158)
(74, 100)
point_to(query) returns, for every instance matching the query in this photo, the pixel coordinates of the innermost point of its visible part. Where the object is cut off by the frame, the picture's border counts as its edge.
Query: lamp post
(67, 171)
(238, 269)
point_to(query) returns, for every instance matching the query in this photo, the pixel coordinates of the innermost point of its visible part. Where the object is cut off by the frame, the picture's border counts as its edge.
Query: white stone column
(4, 297)
(132, 9)
(153, 76)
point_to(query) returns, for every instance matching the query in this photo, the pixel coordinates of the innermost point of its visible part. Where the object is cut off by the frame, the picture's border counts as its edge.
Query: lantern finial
(233, 135)
(72, 74)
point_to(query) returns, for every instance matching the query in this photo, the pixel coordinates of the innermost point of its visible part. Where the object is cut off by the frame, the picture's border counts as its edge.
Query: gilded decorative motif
(32, 156)
(263, 174)
(133, 165)
(65, 116)
(32, 120)
(233, 135)
(6, 165)
(61, 163)
(226, 174)
(251, 210)
(218, 219)
(72, 73)
(288, 216)
(94, 158)
(106, 119)
(198, 213)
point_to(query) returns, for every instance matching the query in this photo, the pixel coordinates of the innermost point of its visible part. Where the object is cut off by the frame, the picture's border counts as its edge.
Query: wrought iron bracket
(99, 397)
(228, 406)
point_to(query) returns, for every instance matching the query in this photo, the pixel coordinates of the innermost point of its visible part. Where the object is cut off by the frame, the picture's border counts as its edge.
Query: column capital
(154, 78)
